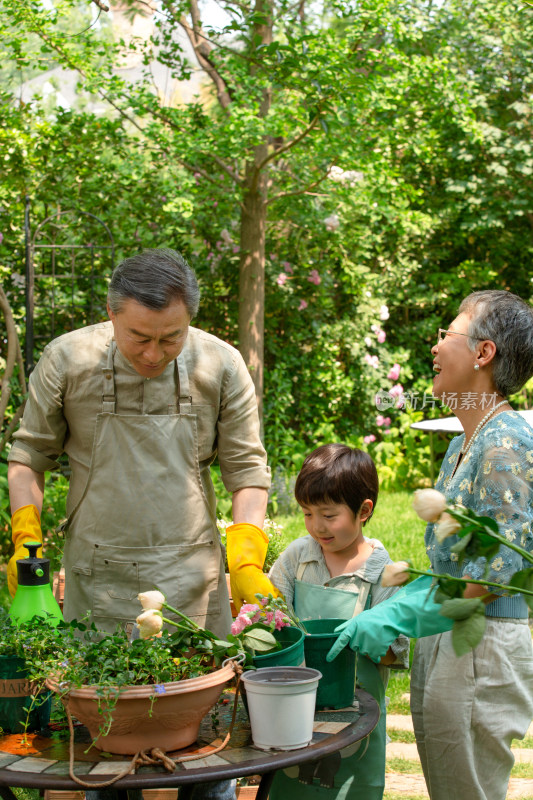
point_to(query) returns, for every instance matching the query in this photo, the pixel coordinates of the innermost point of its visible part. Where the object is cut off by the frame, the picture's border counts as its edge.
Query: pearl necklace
(464, 450)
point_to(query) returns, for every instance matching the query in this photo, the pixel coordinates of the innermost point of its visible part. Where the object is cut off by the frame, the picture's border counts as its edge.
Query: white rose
(446, 526)
(429, 504)
(395, 574)
(150, 623)
(153, 599)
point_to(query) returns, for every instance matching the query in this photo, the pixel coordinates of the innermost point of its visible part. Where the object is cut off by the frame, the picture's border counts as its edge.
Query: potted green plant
(24, 648)
(152, 691)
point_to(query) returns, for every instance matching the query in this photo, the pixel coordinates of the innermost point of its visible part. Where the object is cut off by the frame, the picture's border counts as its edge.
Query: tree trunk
(253, 233)
(252, 279)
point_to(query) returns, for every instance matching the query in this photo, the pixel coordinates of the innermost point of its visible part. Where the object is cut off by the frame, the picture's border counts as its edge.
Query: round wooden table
(43, 763)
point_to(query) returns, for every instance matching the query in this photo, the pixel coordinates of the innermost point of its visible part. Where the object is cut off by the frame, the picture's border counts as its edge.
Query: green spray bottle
(34, 597)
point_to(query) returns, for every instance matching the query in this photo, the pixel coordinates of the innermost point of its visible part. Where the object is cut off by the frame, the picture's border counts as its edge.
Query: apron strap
(183, 404)
(363, 596)
(184, 395)
(109, 400)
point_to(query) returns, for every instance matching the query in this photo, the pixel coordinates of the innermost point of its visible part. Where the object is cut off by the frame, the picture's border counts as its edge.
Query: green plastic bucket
(336, 688)
(15, 699)
(291, 654)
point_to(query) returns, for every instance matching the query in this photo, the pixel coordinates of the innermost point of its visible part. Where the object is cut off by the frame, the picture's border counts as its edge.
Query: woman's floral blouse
(495, 479)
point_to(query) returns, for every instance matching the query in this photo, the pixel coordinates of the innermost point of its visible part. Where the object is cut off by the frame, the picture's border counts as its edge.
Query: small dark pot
(15, 699)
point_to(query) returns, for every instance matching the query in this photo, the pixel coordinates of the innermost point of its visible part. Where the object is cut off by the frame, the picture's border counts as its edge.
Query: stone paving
(414, 785)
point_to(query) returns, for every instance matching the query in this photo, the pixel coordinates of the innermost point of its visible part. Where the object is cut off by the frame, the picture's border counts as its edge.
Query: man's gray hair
(506, 320)
(154, 279)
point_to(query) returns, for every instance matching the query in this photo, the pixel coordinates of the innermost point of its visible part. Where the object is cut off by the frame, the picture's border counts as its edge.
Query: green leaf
(449, 588)
(524, 580)
(461, 545)
(259, 640)
(467, 633)
(460, 608)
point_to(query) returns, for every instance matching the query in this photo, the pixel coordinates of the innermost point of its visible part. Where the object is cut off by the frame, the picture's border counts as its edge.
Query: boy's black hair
(336, 473)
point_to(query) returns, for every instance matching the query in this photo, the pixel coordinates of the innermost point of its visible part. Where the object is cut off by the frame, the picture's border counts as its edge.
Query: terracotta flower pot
(166, 716)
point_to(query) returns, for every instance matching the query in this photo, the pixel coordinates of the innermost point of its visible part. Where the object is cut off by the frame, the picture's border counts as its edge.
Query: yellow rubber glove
(246, 546)
(25, 527)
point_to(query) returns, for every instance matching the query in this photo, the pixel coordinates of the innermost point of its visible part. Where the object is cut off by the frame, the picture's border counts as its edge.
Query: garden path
(413, 785)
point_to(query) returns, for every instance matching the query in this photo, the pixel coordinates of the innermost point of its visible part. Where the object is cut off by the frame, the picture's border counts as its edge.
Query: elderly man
(141, 405)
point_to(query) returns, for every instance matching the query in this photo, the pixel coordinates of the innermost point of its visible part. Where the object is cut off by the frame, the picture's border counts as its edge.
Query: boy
(337, 489)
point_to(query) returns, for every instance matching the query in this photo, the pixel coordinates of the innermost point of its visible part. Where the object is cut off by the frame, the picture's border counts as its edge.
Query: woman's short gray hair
(505, 319)
(154, 279)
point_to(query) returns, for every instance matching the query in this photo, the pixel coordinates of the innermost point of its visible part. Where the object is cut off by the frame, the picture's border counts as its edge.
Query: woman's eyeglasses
(443, 333)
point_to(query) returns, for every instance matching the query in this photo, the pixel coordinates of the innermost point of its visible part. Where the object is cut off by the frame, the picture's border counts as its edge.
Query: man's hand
(246, 547)
(25, 527)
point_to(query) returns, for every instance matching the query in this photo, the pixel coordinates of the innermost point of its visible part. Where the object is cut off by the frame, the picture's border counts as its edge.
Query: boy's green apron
(357, 771)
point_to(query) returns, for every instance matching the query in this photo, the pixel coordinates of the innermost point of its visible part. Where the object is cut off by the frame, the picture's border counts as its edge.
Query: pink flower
(314, 277)
(287, 267)
(382, 421)
(280, 620)
(282, 277)
(384, 312)
(250, 610)
(238, 625)
(1, 238)
(381, 336)
(372, 360)
(236, 248)
(302, 306)
(394, 372)
(369, 439)
(397, 390)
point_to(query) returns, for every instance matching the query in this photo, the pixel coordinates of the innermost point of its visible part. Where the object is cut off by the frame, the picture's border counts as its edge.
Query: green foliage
(424, 111)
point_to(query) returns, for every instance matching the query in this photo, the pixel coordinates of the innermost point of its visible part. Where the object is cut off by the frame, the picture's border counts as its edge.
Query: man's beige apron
(144, 521)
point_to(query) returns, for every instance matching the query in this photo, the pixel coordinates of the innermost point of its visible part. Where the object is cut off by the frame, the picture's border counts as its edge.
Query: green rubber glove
(246, 547)
(411, 611)
(25, 527)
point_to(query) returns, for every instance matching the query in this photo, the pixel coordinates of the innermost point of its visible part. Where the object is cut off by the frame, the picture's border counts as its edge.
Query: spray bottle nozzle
(32, 547)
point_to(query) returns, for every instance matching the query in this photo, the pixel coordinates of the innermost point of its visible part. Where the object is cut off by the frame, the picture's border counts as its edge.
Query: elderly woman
(467, 710)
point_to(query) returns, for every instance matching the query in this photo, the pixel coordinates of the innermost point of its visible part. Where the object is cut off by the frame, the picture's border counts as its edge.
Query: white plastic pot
(281, 706)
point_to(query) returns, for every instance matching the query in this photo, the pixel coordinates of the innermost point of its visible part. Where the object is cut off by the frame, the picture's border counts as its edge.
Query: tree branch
(202, 48)
(234, 175)
(10, 427)
(13, 356)
(102, 6)
(289, 145)
(306, 190)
